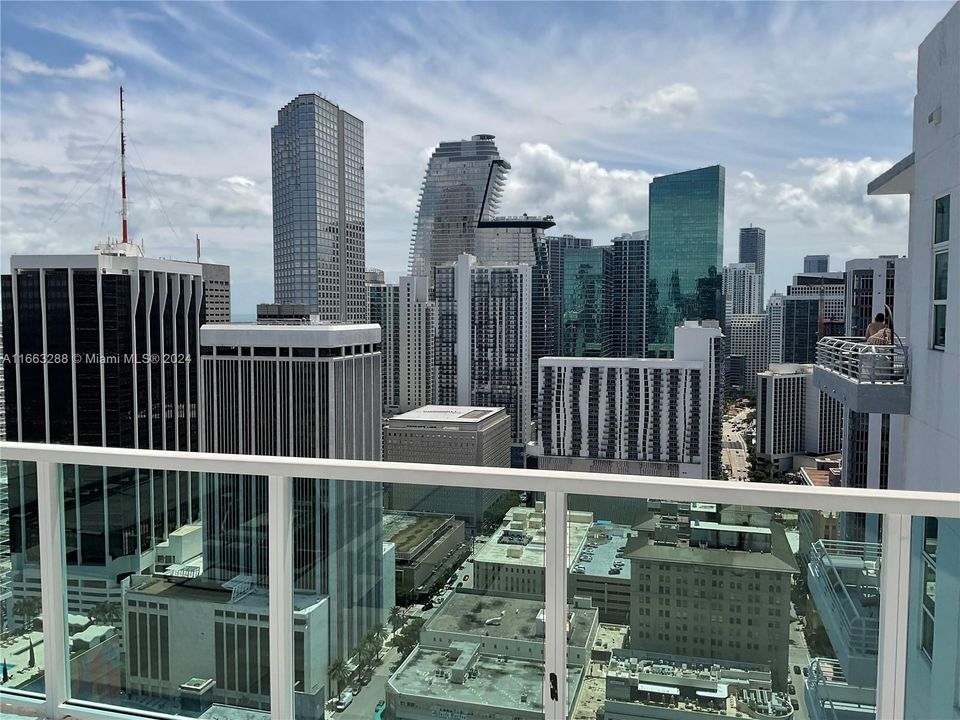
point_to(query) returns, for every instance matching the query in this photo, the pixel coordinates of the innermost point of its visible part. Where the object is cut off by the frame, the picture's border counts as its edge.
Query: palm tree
(27, 608)
(339, 673)
(381, 635)
(395, 617)
(105, 613)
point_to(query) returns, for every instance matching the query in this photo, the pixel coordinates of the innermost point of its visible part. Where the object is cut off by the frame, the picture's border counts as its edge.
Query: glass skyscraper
(584, 298)
(626, 268)
(462, 185)
(686, 253)
(318, 212)
(753, 249)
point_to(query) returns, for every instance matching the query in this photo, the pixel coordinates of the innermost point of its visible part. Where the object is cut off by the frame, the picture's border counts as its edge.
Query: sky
(802, 103)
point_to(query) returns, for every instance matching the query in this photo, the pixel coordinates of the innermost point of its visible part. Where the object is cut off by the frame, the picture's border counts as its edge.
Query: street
(799, 655)
(735, 448)
(365, 702)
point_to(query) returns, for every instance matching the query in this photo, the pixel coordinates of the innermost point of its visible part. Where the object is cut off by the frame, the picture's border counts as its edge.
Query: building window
(929, 590)
(941, 219)
(940, 299)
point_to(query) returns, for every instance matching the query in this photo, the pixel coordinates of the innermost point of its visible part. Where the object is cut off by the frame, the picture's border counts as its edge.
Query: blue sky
(803, 103)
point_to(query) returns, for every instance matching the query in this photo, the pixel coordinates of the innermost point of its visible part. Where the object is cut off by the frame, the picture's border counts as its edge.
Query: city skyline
(796, 165)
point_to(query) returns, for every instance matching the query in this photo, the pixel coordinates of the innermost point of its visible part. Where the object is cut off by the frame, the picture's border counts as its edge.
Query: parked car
(806, 672)
(466, 577)
(344, 702)
(795, 704)
(796, 669)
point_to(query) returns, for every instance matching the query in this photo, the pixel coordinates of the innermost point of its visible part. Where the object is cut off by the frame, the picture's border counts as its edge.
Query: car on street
(344, 702)
(466, 577)
(796, 669)
(806, 672)
(795, 704)
(378, 711)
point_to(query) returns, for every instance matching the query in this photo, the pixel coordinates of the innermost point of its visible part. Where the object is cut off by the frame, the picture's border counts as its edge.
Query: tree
(339, 673)
(32, 660)
(395, 617)
(6, 675)
(105, 613)
(27, 608)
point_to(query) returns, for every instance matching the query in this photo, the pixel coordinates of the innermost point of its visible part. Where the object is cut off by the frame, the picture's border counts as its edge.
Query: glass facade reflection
(318, 209)
(686, 251)
(584, 295)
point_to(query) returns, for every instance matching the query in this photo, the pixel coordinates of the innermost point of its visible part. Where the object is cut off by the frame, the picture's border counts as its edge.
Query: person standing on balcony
(878, 325)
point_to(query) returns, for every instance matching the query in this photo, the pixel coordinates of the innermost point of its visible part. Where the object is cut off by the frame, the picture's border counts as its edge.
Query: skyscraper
(318, 210)
(624, 315)
(383, 301)
(816, 263)
(216, 293)
(307, 390)
(585, 297)
(121, 332)
(686, 253)
(461, 186)
(753, 249)
(417, 313)
(742, 290)
(873, 285)
(748, 337)
(482, 348)
(794, 328)
(557, 247)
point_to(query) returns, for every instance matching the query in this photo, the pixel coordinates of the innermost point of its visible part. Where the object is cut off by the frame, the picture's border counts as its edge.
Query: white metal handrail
(897, 508)
(861, 362)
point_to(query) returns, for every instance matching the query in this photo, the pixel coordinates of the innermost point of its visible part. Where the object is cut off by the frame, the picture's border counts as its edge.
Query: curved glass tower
(461, 187)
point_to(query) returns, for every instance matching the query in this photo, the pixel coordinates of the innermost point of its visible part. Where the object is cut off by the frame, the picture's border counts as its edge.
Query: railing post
(894, 609)
(280, 514)
(54, 612)
(555, 607)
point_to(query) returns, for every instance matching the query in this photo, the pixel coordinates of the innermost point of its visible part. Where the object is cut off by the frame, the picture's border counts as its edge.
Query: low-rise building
(481, 656)
(179, 632)
(428, 546)
(648, 686)
(512, 560)
(599, 571)
(712, 582)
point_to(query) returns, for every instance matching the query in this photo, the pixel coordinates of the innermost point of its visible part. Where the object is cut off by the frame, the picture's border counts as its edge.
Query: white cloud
(582, 195)
(16, 64)
(672, 103)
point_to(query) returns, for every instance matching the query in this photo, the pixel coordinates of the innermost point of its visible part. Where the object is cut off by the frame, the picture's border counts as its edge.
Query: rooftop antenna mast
(123, 172)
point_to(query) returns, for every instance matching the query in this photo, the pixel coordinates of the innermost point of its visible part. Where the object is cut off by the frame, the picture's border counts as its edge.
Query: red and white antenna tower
(123, 171)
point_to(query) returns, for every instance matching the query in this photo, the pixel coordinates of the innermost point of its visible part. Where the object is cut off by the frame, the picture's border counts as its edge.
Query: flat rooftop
(468, 612)
(408, 530)
(608, 538)
(510, 685)
(320, 335)
(208, 591)
(779, 559)
(531, 527)
(456, 414)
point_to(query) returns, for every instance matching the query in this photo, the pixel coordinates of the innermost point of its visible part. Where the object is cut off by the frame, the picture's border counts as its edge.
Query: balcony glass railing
(860, 362)
(216, 586)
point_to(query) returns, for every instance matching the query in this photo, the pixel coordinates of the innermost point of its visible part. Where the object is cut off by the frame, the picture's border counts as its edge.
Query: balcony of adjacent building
(830, 697)
(844, 582)
(865, 378)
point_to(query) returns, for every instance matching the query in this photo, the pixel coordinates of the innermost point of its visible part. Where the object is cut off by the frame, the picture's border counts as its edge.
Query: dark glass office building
(753, 249)
(119, 333)
(318, 209)
(626, 270)
(557, 247)
(684, 281)
(584, 299)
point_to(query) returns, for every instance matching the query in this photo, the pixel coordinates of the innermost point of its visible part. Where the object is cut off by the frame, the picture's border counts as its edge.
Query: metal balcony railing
(53, 463)
(860, 362)
(863, 377)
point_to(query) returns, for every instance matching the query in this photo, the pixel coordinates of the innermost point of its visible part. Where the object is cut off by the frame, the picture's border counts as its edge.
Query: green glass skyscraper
(584, 276)
(684, 281)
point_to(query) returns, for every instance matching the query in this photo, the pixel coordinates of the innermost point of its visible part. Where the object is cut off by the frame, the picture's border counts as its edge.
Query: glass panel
(940, 276)
(434, 598)
(933, 642)
(167, 605)
(941, 219)
(940, 325)
(727, 610)
(21, 631)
